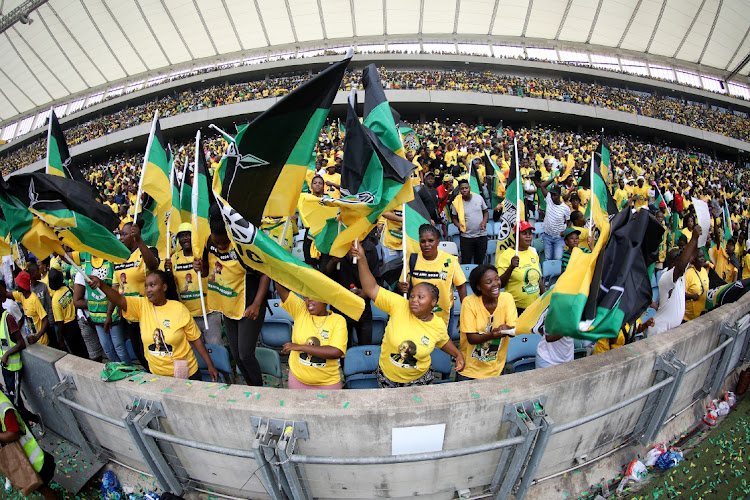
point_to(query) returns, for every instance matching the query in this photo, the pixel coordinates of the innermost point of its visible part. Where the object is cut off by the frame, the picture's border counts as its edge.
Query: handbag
(180, 366)
(15, 465)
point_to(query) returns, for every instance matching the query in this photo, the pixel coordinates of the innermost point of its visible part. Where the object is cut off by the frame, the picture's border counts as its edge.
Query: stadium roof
(65, 47)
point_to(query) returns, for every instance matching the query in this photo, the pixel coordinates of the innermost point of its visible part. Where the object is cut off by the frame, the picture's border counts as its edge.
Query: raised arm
(151, 260)
(112, 295)
(369, 284)
(688, 254)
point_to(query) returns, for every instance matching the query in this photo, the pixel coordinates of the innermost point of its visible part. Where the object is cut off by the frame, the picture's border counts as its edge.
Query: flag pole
(77, 268)
(519, 200)
(143, 167)
(169, 215)
(403, 242)
(219, 130)
(591, 196)
(49, 138)
(284, 231)
(194, 219)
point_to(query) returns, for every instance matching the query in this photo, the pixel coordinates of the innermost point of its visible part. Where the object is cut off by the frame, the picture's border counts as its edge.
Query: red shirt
(11, 423)
(678, 202)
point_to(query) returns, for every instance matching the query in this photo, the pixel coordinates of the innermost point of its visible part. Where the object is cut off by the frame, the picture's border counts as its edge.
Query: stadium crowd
(689, 113)
(473, 324)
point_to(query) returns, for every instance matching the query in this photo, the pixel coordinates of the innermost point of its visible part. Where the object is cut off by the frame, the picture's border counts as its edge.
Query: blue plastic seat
(455, 333)
(360, 365)
(270, 363)
(220, 358)
(491, 229)
(379, 321)
(453, 234)
(441, 363)
(551, 270)
(491, 251)
(522, 348)
(467, 268)
(278, 325)
(449, 247)
(523, 365)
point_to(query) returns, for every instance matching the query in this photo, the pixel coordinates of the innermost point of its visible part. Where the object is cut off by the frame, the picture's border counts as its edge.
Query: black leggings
(71, 333)
(133, 331)
(243, 339)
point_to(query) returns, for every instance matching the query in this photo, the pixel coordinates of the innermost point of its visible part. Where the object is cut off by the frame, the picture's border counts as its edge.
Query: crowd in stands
(150, 302)
(692, 114)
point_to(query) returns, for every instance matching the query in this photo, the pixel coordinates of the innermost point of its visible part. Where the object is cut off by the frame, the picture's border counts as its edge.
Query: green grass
(716, 467)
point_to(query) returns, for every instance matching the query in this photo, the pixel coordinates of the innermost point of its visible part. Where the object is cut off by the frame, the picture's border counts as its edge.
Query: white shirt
(671, 303)
(555, 353)
(555, 217)
(11, 306)
(82, 313)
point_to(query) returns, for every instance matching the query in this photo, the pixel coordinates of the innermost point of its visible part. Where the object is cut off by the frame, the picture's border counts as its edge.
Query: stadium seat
(270, 363)
(455, 333)
(278, 325)
(491, 229)
(379, 321)
(538, 244)
(453, 234)
(220, 358)
(467, 268)
(523, 365)
(522, 348)
(551, 270)
(360, 364)
(449, 247)
(579, 349)
(441, 363)
(491, 251)
(298, 252)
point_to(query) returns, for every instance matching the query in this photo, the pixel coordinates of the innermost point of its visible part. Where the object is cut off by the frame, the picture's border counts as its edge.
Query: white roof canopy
(75, 45)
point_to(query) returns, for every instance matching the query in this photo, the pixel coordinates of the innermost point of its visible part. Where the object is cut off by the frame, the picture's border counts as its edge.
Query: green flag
(726, 219)
(65, 205)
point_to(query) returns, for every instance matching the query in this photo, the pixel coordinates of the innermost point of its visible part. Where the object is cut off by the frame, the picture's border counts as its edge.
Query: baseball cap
(555, 189)
(185, 227)
(23, 280)
(524, 225)
(570, 231)
(447, 178)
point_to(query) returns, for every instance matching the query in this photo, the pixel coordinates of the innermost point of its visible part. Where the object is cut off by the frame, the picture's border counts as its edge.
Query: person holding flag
(130, 277)
(723, 256)
(180, 264)
(411, 334)
(470, 215)
(237, 292)
(520, 269)
(432, 265)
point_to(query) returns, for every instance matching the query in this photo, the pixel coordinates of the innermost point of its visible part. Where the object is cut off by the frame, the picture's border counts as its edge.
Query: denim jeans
(553, 247)
(113, 343)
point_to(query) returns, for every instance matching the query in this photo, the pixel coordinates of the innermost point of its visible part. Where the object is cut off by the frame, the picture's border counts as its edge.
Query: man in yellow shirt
(696, 287)
(641, 193)
(332, 181)
(620, 196)
(724, 258)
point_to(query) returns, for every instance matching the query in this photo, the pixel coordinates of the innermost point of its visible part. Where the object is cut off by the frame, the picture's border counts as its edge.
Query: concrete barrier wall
(359, 423)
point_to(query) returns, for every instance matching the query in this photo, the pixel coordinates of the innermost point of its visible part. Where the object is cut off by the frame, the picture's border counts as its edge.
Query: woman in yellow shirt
(318, 342)
(521, 275)
(34, 314)
(167, 327)
(484, 317)
(696, 287)
(64, 312)
(412, 332)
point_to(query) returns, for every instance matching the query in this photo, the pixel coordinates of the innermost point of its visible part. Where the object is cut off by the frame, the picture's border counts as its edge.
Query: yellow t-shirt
(176, 325)
(187, 282)
(724, 268)
(443, 272)
(34, 310)
(603, 345)
(226, 282)
(696, 281)
(392, 235)
(620, 196)
(746, 266)
(330, 190)
(408, 341)
(523, 284)
(130, 276)
(641, 194)
(62, 305)
(487, 359)
(330, 330)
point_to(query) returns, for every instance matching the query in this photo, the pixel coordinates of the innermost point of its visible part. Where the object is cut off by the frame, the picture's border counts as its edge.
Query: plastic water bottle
(8, 485)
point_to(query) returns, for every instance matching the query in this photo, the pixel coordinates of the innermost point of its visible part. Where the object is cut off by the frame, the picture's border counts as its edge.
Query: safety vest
(6, 343)
(27, 441)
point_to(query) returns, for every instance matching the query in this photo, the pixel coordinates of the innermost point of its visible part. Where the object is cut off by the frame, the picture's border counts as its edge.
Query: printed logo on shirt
(309, 360)
(430, 275)
(159, 347)
(425, 340)
(485, 352)
(531, 280)
(405, 357)
(166, 323)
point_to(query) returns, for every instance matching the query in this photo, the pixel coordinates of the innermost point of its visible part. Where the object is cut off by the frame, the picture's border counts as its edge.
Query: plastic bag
(730, 398)
(723, 408)
(669, 459)
(635, 471)
(711, 413)
(111, 489)
(654, 454)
